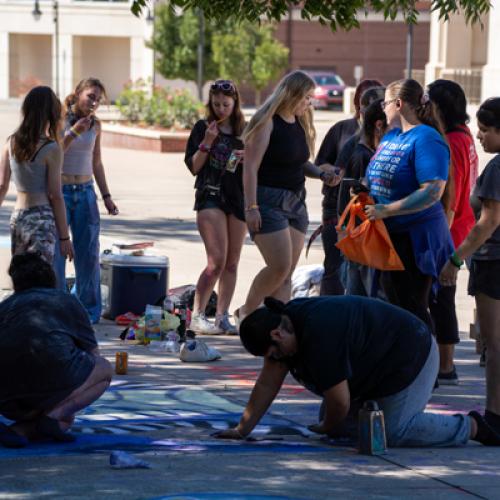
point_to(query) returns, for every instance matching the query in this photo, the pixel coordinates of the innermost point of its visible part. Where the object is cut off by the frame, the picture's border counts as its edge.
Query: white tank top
(78, 156)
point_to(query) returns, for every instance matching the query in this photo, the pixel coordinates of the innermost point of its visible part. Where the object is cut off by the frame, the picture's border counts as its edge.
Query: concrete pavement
(165, 410)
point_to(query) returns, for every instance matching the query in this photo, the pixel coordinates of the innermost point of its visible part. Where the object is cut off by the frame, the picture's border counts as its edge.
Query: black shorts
(205, 198)
(484, 277)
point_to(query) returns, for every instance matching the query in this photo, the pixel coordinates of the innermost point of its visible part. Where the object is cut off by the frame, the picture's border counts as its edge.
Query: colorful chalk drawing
(222, 496)
(127, 416)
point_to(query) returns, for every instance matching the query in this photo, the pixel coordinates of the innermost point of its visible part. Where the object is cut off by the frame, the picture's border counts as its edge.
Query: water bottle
(372, 440)
(168, 304)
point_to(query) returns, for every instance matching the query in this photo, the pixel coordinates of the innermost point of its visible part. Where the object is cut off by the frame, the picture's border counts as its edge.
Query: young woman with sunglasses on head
(407, 178)
(214, 154)
(82, 163)
(32, 157)
(451, 103)
(279, 140)
(483, 245)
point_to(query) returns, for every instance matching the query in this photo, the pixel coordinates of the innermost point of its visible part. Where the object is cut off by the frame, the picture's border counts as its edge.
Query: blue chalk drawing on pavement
(222, 496)
(127, 416)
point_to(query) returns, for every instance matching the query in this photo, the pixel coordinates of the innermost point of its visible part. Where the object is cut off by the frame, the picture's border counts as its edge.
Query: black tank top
(282, 164)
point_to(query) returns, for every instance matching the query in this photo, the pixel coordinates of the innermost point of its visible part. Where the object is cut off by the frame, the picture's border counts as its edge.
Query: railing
(469, 79)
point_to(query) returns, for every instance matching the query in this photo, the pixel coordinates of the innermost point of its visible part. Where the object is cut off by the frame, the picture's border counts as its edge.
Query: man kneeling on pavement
(348, 350)
(50, 364)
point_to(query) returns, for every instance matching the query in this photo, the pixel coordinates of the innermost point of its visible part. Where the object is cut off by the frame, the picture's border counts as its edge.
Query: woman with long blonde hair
(279, 142)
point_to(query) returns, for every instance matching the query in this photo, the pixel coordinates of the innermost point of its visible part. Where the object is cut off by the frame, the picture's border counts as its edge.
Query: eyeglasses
(226, 85)
(384, 104)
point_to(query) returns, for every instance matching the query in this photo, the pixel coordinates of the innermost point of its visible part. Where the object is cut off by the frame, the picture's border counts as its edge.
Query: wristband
(204, 148)
(107, 195)
(322, 175)
(64, 239)
(252, 207)
(455, 260)
(73, 133)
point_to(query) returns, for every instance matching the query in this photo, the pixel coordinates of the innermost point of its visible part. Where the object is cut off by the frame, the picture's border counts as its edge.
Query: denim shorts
(484, 277)
(281, 208)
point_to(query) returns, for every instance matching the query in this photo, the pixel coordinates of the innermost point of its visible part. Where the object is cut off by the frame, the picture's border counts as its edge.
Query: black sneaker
(450, 378)
(485, 434)
(482, 359)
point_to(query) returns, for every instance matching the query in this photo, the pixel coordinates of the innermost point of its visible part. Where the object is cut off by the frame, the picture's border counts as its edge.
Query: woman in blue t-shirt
(407, 178)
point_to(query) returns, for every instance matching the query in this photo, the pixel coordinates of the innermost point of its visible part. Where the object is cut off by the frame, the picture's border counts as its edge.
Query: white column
(491, 72)
(437, 34)
(65, 65)
(141, 59)
(4, 65)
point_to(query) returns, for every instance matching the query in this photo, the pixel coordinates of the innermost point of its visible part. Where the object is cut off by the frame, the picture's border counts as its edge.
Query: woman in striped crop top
(32, 157)
(82, 164)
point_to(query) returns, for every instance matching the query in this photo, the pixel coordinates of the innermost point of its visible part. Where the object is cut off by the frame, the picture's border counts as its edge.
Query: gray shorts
(281, 208)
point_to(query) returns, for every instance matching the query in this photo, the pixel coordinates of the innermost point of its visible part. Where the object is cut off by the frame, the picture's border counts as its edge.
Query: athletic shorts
(484, 277)
(281, 208)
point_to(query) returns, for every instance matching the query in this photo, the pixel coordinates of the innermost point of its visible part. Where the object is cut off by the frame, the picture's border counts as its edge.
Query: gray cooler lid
(134, 260)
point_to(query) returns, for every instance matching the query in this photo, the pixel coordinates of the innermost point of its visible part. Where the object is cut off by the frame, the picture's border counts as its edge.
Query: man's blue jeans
(407, 424)
(83, 218)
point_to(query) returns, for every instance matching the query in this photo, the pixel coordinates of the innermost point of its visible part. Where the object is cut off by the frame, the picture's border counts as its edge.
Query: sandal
(49, 427)
(10, 438)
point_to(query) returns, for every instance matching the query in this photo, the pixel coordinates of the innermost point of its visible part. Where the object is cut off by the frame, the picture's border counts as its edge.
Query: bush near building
(161, 107)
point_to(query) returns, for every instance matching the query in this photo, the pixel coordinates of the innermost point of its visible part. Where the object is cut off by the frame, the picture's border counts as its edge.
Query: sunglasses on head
(226, 85)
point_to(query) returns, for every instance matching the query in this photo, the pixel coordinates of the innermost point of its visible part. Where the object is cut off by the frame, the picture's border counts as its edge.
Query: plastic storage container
(129, 283)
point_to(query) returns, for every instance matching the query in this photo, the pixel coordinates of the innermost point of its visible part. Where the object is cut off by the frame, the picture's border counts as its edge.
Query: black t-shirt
(45, 344)
(377, 347)
(355, 167)
(282, 165)
(329, 152)
(214, 171)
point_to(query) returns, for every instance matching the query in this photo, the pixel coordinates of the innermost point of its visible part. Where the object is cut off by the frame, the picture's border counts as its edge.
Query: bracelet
(64, 239)
(107, 195)
(204, 148)
(455, 260)
(73, 133)
(252, 207)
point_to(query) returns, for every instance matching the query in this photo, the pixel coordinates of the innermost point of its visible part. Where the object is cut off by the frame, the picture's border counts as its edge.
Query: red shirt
(464, 161)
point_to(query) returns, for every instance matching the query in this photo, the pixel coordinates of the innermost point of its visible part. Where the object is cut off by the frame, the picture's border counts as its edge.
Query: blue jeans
(406, 423)
(84, 221)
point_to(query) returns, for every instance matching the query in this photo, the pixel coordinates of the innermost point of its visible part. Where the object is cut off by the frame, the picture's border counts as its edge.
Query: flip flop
(49, 427)
(10, 438)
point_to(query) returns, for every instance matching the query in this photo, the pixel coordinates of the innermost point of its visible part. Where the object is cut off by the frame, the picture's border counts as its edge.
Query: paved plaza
(165, 411)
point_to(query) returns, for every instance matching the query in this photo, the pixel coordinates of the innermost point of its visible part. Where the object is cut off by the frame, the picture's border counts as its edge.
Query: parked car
(329, 91)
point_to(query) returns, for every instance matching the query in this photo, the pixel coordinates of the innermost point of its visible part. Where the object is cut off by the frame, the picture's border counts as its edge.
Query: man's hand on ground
(228, 434)
(317, 428)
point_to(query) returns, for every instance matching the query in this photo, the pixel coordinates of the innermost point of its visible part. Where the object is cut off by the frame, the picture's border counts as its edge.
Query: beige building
(467, 54)
(96, 38)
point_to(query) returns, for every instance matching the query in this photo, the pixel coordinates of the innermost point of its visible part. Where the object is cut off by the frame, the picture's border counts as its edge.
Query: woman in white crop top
(32, 156)
(82, 164)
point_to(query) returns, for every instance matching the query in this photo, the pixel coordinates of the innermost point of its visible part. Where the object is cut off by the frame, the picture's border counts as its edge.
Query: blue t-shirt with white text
(404, 161)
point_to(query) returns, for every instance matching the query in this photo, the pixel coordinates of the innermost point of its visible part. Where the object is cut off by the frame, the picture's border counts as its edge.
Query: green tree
(335, 13)
(248, 53)
(175, 42)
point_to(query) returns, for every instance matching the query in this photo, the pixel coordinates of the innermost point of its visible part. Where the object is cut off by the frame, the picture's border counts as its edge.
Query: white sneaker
(196, 351)
(223, 323)
(200, 324)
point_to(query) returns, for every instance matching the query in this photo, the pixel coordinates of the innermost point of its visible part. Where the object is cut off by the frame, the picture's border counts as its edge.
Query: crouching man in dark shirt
(351, 349)
(50, 365)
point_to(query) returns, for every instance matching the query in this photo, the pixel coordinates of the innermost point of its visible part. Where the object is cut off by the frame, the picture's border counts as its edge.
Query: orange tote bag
(369, 242)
